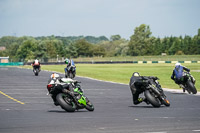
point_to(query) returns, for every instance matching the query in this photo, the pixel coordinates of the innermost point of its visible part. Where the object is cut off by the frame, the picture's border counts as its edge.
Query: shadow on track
(135, 106)
(179, 93)
(63, 111)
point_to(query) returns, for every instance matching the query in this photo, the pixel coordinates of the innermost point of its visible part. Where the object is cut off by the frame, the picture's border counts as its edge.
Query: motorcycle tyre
(191, 87)
(166, 103)
(63, 104)
(66, 75)
(89, 107)
(36, 72)
(71, 76)
(153, 101)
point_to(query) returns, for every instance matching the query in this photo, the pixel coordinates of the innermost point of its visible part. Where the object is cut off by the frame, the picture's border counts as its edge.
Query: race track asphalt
(114, 111)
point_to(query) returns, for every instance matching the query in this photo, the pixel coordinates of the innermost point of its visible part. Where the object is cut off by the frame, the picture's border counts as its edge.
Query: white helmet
(136, 74)
(178, 64)
(55, 75)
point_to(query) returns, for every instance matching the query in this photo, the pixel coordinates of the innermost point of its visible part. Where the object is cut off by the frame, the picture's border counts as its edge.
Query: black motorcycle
(187, 82)
(36, 70)
(152, 89)
(61, 91)
(70, 72)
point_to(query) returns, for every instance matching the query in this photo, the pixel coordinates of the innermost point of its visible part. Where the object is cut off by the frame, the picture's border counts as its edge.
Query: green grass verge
(142, 58)
(122, 72)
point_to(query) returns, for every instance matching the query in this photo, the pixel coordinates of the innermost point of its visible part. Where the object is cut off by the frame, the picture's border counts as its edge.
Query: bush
(179, 52)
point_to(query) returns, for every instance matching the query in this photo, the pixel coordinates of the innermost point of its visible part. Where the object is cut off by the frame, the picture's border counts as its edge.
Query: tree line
(141, 43)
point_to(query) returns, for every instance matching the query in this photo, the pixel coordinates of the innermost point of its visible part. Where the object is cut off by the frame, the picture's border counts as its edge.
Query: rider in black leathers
(136, 86)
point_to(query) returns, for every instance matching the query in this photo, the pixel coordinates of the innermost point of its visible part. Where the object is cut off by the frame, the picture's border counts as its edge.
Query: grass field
(142, 58)
(122, 72)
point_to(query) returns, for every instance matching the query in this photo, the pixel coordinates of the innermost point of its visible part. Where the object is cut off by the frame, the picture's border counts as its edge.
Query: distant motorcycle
(153, 91)
(187, 82)
(60, 89)
(36, 70)
(70, 72)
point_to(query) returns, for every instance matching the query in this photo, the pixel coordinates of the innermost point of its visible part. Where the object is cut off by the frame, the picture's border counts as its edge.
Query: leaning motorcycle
(59, 89)
(152, 89)
(187, 82)
(70, 72)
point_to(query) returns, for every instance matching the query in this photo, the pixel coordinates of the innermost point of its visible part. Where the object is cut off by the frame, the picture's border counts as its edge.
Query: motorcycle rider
(136, 89)
(178, 74)
(68, 88)
(69, 64)
(36, 64)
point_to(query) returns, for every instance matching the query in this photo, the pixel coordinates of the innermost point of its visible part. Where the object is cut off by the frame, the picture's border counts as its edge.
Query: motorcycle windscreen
(72, 63)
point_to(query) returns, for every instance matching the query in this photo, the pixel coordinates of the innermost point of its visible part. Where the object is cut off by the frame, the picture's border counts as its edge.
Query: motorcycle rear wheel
(153, 101)
(191, 87)
(69, 107)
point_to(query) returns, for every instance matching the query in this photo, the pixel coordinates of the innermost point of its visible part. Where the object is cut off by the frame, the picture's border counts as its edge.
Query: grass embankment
(122, 72)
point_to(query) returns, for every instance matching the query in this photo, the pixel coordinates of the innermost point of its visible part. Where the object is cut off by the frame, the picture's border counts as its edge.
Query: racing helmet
(177, 64)
(136, 74)
(67, 61)
(55, 75)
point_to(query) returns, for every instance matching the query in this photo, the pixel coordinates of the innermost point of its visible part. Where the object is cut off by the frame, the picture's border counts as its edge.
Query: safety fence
(12, 64)
(96, 62)
(114, 62)
(150, 62)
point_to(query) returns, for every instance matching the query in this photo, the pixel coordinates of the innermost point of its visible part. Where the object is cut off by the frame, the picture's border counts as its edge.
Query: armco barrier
(12, 64)
(115, 62)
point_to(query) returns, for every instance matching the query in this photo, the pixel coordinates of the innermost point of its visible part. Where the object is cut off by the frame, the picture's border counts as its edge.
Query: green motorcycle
(68, 94)
(187, 82)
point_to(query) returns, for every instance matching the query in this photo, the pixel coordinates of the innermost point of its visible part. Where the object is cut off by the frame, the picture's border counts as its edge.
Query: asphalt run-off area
(25, 108)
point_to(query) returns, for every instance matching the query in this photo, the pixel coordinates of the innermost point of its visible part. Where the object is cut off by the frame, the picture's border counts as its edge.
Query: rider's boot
(140, 100)
(146, 101)
(56, 103)
(193, 79)
(181, 86)
(184, 89)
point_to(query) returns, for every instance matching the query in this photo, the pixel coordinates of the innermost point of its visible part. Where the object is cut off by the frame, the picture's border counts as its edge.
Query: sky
(98, 17)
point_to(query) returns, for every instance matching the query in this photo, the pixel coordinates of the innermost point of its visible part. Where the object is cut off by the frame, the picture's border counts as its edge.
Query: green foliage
(83, 48)
(141, 43)
(26, 50)
(115, 37)
(7, 40)
(95, 40)
(98, 50)
(115, 48)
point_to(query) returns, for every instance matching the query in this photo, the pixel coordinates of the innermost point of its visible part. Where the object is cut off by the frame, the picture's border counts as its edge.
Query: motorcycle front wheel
(71, 76)
(66, 75)
(36, 72)
(191, 87)
(153, 101)
(64, 103)
(166, 102)
(89, 106)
